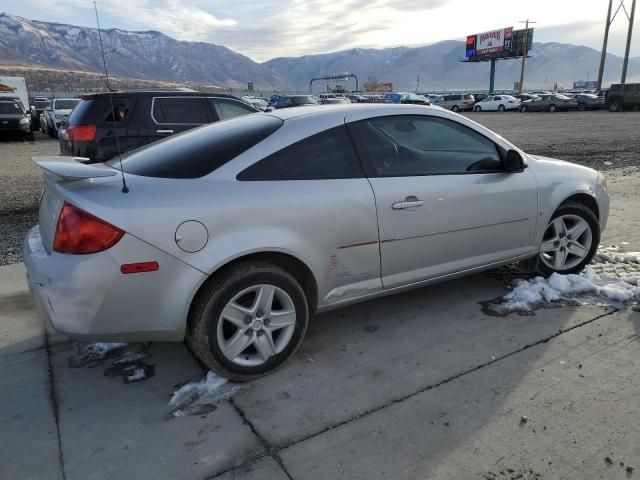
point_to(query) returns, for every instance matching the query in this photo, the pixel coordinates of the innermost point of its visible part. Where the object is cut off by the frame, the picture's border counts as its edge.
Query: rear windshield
(80, 114)
(198, 152)
(65, 104)
(303, 100)
(8, 108)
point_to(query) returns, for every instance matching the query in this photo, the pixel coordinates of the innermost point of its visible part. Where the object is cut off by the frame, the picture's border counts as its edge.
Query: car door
(444, 202)
(488, 104)
(175, 114)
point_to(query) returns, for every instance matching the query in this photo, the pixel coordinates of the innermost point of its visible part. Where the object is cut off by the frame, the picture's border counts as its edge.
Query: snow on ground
(93, 354)
(612, 279)
(201, 396)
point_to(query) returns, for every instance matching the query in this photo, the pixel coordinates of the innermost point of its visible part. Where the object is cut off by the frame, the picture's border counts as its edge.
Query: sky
(264, 29)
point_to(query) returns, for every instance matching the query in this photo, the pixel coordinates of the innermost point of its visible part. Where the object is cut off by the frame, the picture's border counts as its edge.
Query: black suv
(623, 96)
(140, 118)
(14, 121)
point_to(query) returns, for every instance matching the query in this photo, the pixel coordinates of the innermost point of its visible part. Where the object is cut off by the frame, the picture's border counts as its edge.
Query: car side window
(497, 98)
(419, 145)
(180, 110)
(229, 108)
(326, 155)
(119, 112)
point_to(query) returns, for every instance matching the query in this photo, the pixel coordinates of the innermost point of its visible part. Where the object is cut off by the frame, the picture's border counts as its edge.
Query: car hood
(549, 163)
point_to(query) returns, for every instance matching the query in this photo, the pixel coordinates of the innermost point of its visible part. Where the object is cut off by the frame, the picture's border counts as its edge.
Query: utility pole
(603, 55)
(418, 85)
(629, 33)
(524, 52)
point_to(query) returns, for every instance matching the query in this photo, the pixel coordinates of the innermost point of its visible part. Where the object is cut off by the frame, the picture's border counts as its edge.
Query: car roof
(343, 109)
(153, 93)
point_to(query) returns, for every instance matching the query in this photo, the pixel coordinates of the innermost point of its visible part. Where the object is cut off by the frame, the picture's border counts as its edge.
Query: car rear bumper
(87, 297)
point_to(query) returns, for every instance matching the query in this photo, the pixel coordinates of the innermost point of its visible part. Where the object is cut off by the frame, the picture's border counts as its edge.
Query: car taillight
(81, 133)
(80, 232)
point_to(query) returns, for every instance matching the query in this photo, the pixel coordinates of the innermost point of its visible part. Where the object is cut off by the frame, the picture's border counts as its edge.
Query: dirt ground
(601, 140)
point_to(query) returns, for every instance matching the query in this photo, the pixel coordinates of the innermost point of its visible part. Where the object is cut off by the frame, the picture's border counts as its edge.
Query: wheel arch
(584, 199)
(288, 262)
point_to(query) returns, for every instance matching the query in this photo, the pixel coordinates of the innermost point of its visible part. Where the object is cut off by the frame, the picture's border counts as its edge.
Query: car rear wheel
(570, 240)
(614, 107)
(553, 108)
(455, 108)
(582, 107)
(478, 108)
(248, 320)
(523, 108)
(501, 108)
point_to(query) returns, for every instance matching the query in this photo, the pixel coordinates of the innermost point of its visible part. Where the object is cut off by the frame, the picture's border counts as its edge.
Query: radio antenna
(125, 189)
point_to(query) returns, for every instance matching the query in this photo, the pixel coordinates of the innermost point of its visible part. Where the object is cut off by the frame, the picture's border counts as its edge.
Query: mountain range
(151, 55)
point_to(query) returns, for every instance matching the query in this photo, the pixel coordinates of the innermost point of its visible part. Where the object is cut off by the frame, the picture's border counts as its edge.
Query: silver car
(232, 234)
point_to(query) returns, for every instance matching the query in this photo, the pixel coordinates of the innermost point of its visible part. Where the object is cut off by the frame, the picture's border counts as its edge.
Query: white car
(498, 103)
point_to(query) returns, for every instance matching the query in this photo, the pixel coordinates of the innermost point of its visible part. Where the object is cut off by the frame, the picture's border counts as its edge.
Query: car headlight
(602, 180)
(24, 121)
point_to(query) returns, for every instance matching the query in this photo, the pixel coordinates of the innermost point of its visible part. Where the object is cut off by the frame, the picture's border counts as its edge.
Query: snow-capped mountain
(147, 55)
(154, 56)
(439, 67)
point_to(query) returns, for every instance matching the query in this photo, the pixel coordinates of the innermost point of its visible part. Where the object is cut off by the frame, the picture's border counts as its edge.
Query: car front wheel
(248, 321)
(478, 108)
(570, 240)
(501, 108)
(455, 108)
(552, 108)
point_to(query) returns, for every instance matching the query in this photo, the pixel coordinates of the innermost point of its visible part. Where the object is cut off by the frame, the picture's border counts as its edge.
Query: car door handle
(408, 203)
(164, 131)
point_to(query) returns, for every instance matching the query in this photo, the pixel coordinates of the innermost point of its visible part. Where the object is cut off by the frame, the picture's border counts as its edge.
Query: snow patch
(612, 279)
(93, 354)
(201, 396)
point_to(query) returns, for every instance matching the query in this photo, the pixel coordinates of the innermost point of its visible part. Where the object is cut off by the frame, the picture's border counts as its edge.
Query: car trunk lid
(58, 173)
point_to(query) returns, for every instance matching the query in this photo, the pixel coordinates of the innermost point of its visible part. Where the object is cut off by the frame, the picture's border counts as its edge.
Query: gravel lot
(600, 140)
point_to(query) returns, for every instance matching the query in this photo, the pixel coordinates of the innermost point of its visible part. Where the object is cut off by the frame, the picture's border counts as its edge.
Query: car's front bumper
(87, 297)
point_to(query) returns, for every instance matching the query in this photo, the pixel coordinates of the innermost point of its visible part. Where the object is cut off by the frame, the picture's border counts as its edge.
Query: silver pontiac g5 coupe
(231, 235)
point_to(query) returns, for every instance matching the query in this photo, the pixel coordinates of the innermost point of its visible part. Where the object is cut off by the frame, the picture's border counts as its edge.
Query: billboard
(501, 43)
(489, 42)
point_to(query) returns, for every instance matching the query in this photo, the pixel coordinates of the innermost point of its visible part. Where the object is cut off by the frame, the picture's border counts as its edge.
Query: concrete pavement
(418, 385)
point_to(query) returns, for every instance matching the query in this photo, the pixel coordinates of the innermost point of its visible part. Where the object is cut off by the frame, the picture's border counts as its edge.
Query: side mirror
(514, 162)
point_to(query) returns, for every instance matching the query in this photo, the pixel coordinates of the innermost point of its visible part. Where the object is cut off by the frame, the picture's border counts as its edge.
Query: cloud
(272, 28)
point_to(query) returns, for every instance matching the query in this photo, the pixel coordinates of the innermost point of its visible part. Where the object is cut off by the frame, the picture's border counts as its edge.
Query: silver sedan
(231, 235)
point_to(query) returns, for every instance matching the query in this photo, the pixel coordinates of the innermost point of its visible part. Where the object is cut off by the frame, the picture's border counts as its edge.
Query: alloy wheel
(567, 241)
(256, 324)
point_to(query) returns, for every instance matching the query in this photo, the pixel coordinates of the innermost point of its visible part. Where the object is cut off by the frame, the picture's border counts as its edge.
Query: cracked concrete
(420, 385)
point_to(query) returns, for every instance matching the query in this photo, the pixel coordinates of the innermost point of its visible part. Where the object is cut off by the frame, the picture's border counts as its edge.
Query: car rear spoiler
(71, 168)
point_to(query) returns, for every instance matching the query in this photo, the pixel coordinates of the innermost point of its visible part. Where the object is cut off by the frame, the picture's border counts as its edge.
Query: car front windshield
(9, 108)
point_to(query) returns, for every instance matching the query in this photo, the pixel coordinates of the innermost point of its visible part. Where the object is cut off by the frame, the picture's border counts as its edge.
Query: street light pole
(603, 55)
(524, 52)
(629, 33)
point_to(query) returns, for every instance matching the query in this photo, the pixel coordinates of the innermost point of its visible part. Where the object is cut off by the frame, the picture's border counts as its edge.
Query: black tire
(572, 208)
(553, 108)
(51, 132)
(30, 137)
(501, 108)
(477, 108)
(614, 106)
(523, 109)
(582, 107)
(214, 296)
(455, 108)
